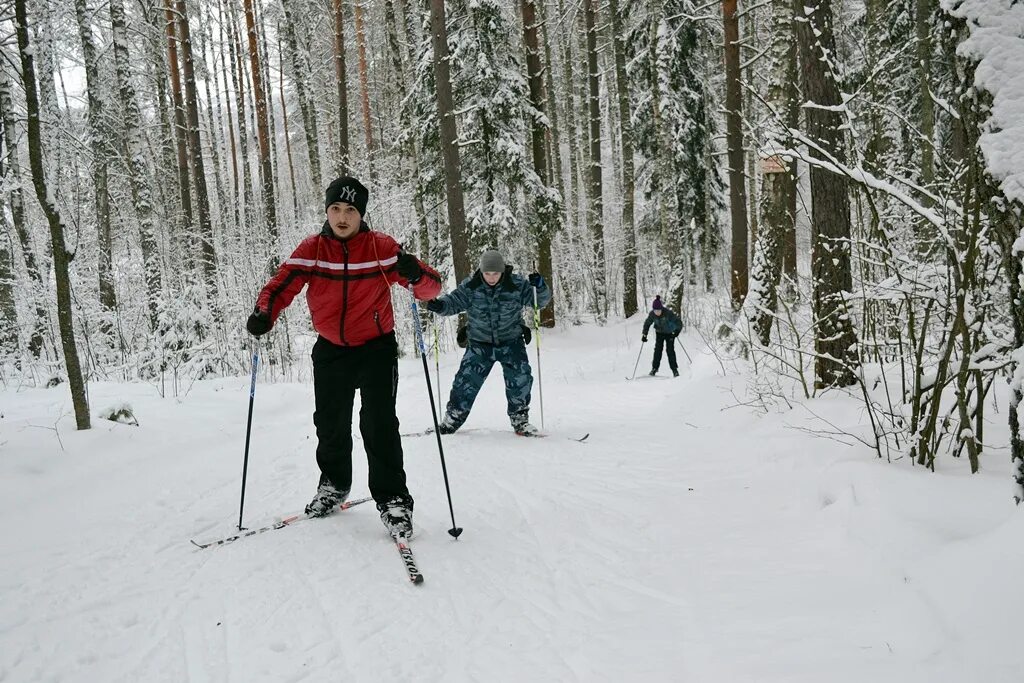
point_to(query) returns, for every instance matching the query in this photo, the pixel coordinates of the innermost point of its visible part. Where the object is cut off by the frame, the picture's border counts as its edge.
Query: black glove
(434, 306)
(258, 323)
(461, 337)
(527, 334)
(409, 267)
(536, 280)
(643, 338)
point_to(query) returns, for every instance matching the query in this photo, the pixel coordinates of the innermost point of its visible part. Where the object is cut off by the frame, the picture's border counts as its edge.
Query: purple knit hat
(656, 306)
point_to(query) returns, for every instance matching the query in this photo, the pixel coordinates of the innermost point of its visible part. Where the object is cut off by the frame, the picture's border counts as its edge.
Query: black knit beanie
(348, 190)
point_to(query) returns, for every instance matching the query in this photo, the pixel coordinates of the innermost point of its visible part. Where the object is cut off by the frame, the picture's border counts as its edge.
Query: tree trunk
(268, 98)
(8, 309)
(166, 179)
(262, 132)
(923, 10)
(538, 147)
(595, 207)
(287, 133)
(777, 181)
(734, 140)
(572, 186)
(792, 114)
(413, 151)
(180, 130)
(449, 142)
(214, 113)
(17, 204)
(238, 82)
(99, 145)
(223, 70)
(629, 258)
(364, 83)
(553, 133)
(836, 340)
(61, 257)
(138, 173)
(207, 254)
(343, 163)
(306, 107)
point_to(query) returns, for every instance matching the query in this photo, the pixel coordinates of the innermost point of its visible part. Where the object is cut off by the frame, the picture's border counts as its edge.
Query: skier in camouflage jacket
(493, 299)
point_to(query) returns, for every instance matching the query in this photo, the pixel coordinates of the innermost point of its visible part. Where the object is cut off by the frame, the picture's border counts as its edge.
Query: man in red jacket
(349, 270)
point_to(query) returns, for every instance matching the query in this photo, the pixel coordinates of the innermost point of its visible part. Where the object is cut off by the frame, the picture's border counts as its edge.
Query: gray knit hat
(491, 261)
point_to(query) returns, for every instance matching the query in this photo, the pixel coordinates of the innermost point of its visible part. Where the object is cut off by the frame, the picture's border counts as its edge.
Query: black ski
(408, 560)
(287, 521)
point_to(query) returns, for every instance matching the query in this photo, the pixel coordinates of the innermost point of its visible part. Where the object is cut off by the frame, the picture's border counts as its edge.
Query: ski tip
(584, 437)
(198, 545)
(417, 580)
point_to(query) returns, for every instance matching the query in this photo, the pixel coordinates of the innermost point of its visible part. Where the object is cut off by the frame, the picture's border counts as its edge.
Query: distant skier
(493, 299)
(667, 326)
(350, 269)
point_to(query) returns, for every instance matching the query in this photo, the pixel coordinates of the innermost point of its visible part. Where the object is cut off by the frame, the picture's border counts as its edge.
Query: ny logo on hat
(347, 195)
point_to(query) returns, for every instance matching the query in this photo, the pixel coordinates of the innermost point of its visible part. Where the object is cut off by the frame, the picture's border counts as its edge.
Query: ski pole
(454, 531)
(676, 337)
(640, 353)
(437, 362)
(248, 432)
(536, 336)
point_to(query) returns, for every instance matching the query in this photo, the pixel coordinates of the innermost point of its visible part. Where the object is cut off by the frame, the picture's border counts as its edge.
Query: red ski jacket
(349, 292)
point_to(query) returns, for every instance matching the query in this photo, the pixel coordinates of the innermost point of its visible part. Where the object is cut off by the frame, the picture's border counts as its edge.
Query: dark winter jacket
(494, 313)
(667, 323)
(349, 292)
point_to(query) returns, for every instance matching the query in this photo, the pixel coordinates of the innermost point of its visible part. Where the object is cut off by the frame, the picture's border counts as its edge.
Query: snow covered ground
(686, 540)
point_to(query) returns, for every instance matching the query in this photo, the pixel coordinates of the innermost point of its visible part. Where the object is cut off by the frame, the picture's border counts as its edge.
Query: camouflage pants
(476, 365)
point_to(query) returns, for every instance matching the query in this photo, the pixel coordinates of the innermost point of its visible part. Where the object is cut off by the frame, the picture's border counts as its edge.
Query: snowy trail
(686, 540)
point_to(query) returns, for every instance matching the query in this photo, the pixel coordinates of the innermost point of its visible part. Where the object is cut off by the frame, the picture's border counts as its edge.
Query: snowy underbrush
(918, 397)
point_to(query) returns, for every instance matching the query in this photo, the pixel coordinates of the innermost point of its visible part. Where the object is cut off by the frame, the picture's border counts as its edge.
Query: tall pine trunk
(343, 162)
(238, 83)
(207, 254)
(412, 148)
(449, 141)
(792, 114)
(180, 128)
(835, 338)
(61, 257)
(287, 132)
(734, 140)
(923, 10)
(629, 258)
(364, 84)
(595, 207)
(262, 134)
(538, 147)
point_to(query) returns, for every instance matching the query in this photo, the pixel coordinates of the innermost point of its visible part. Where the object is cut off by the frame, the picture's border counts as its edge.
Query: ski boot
(327, 498)
(396, 513)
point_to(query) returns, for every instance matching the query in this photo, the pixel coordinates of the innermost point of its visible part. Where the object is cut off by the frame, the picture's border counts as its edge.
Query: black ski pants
(668, 342)
(338, 371)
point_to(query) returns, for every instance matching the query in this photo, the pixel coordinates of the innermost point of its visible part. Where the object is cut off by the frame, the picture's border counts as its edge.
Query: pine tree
(672, 128)
(490, 94)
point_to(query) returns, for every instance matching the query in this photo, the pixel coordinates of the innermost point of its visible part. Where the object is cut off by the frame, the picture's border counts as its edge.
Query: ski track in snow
(685, 541)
